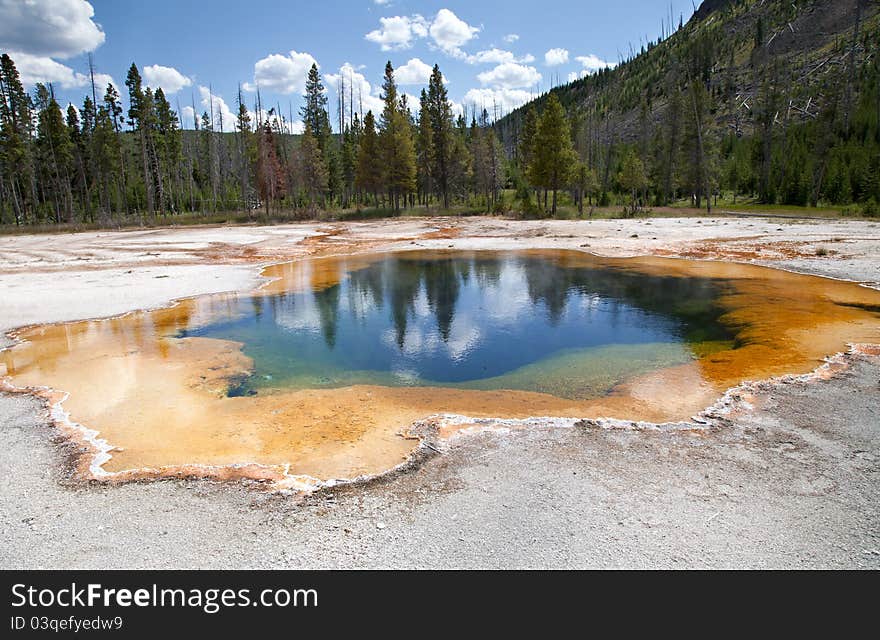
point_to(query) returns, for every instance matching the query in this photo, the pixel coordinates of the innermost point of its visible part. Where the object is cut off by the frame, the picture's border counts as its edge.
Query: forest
(727, 106)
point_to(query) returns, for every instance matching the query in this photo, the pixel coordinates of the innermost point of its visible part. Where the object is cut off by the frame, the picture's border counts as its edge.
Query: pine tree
(314, 111)
(425, 149)
(587, 183)
(315, 172)
(168, 142)
(633, 178)
(527, 139)
(114, 109)
(369, 172)
(553, 153)
(396, 143)
(18, 179)
(697, 146)
(442, 132)
(245, 147)
(348, 159)
(108, 160)
(139, 115)
(55, 152)
(79, 136)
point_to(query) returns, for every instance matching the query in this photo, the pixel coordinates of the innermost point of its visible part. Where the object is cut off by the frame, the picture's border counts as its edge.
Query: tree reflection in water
(459, 317)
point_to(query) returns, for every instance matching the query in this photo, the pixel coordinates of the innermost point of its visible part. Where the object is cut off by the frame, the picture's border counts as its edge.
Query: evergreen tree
(314, 110)
(396, 143)
(349, 159)
(17, 178)
(553, 153)
(245, 151)
(425, 149)
(633, 178)
(442, 129)
(55, 153)
(315, 172)
(79, 136)
(139, 116)
(168, 143)
(587, 183)
(527, 139)
(369, 171)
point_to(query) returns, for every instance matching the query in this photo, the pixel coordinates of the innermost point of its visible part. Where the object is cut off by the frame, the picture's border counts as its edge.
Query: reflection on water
(471, 320)
(322, 371)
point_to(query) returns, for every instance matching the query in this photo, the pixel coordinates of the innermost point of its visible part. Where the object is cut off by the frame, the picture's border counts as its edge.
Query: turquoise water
(499, 320)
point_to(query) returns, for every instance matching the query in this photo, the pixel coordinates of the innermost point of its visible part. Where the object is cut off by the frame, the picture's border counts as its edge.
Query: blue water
(480, 320)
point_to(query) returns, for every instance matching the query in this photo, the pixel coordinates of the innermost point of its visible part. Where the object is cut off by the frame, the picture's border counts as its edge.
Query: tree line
(772, 133)
(102, 164)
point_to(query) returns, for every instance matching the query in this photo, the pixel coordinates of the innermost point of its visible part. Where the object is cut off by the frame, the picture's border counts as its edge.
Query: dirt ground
(792, 479)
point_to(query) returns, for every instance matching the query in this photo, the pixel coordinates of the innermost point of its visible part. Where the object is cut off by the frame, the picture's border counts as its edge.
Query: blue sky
(491, 53)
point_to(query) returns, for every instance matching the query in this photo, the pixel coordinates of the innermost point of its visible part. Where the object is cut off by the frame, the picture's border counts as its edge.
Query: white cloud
(447, 31)
(413, 72)
(223, 116)
(450, 32)
(282, 74)
(187, 117)
(592, 63)
(169, 78)
(504, 100)
(382, 3)
(33, 69)
(555, 57)
(510, 75)
(357, 87)
(497, 56)
(33, 32)
(101, 81)
(412, 102)
(510, 38)
(53, 28)
(398, 32)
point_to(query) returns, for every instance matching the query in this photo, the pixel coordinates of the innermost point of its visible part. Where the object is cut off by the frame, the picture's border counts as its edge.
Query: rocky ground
(792, 482)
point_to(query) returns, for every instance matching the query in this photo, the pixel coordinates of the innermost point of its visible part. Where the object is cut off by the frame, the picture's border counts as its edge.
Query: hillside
(769, 68)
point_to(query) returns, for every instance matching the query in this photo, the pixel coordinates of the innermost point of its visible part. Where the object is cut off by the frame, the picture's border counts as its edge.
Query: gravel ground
(778, 488)
(792, 483)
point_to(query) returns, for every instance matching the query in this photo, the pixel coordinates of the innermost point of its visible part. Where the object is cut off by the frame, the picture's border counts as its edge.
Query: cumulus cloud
(187, 117)
(592, 63)
(447, 31)
(500, 100)
(224, 118)
(33, 69)
(398, 32)
(555, 57)
(33, 32)
(413, 72)
(510, 75)
(50, 28)
(450, 32)
(357, 88)
(510, 38)
(169, 78)
(282, 74)
(497, 56)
